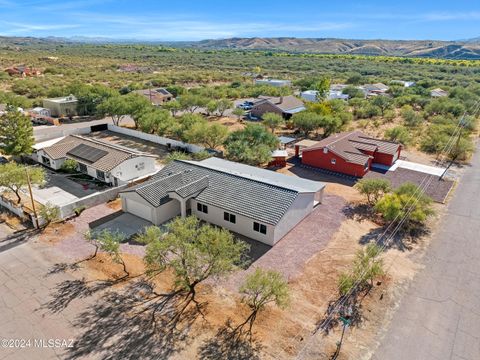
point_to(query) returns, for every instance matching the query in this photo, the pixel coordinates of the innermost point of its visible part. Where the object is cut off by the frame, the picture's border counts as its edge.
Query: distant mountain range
(461, 49)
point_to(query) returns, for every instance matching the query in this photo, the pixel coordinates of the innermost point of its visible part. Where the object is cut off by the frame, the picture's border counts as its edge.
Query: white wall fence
(56, 133)
(156, 139)
(18, 210)
(91, 200)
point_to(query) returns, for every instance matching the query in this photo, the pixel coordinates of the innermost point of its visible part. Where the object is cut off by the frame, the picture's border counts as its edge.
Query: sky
(215, 19)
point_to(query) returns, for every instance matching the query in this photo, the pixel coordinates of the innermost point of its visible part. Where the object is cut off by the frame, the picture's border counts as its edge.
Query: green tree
(173, 106)
(406, 201)
(105, 240)
(366, 267)
(373, 189)
(306, 121)
(211, 107)
(191, 102)
(272, 121)
(238, 112)
(156, 121)
(208, 135)
(116, 107)
(194, 252)
(14, 177)
(252, 145)
(261, 288)
(322, 87)
(16, 133)
(137, 105)
(400, 134)
(383, 103)
(223, 105)
(50, 213)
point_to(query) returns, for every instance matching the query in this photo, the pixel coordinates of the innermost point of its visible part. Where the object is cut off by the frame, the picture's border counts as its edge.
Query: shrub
(69, 166)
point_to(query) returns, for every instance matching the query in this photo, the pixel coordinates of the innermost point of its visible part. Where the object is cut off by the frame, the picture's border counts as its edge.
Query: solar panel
(87, 153)
(163, 91)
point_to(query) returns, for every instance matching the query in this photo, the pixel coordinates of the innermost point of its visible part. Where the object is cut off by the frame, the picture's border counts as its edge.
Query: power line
(421, 189)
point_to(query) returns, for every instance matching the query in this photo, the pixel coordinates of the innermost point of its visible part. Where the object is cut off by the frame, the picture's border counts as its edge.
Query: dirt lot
(132, 142)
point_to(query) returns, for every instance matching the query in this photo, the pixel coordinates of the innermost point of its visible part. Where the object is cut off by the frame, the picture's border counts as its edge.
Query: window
(333, 161)
(202, 208)
(261, 228)
(229, 217)
(46, 161)
(100, 175)
(82, 167)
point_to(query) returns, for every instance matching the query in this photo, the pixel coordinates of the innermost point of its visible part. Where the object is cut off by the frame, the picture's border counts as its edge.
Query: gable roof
(351, 146)
(285, 103)
(214, 182)
(113, 156)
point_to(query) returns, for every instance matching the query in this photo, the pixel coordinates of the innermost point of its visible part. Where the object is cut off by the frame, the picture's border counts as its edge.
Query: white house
(273, 82)
(260, 204)
(40, 112)
(311, 95)
(107, 162)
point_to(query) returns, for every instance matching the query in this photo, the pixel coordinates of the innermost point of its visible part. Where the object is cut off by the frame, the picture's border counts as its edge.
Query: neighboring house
(110, 163)
(273, 82)
(40, 112)
(285, 106)
(438, 93)
(374, 89)
(156, 96)
(62, 106)
(260, 204)
(23, 71)
(351, 153)
(311, 95)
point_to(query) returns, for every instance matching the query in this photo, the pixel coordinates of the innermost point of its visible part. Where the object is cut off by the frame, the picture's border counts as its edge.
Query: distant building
(157, 96)
(62, 106)
(374, 89)
(273, 82)
(438, 93)
(351, 153)
(285, 106)
(22, 71)
(311, 95)
(279, 158)
(40, 111)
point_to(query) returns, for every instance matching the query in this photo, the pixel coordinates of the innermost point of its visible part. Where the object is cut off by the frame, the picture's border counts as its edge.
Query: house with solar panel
(107, 162)
(260, 204)
(157, 96)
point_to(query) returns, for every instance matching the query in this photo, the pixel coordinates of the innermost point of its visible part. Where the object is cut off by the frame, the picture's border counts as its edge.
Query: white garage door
(140, 210)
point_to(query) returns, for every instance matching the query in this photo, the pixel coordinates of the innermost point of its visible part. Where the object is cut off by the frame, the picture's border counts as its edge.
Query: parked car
(252, 118)
(246, 105)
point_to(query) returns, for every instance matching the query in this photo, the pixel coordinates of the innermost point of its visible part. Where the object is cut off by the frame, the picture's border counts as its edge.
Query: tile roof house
(156, 96)
(285, 106)
(374, 89)
(257, 203)
(351, 153)
(110, 163)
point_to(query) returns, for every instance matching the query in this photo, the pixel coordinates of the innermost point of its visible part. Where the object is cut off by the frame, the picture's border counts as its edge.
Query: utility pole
(31, 198)
(454, 157)
(346, 321)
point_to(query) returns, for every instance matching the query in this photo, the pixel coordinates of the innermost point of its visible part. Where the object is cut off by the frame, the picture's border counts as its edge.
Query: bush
(50, 213)
(373, 189)
(69, 166)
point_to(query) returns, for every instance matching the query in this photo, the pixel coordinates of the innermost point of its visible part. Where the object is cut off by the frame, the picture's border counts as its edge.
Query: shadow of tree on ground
(402, 240)
(135, 323)
(359, 212)
(230, 343)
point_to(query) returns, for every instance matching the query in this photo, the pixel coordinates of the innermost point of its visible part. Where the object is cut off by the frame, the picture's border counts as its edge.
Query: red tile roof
(351, 146)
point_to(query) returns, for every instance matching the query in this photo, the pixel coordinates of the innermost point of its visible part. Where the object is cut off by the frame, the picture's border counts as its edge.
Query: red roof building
(351, 153)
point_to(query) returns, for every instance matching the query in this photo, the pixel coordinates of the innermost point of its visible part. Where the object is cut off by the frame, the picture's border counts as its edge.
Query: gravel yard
(437, 189)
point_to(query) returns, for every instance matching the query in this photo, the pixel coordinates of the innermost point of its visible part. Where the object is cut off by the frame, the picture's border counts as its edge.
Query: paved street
(439, 317)
(26, 306)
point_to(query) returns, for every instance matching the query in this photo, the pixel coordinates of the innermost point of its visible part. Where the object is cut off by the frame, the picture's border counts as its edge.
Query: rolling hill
(413, 48)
